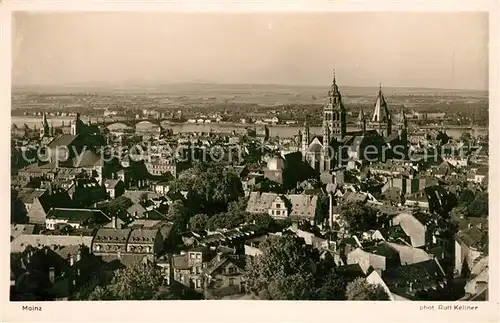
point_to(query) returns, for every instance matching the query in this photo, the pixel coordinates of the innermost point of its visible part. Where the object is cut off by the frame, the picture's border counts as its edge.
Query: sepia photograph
(250, 156)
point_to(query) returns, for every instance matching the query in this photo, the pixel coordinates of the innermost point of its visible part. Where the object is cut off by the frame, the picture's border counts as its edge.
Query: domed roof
(276, 163)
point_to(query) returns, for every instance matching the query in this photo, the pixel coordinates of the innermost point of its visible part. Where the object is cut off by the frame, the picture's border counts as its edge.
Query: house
(86, 191)
(58, 273)
(297, 207)
(136, 211)
(145, 241)
(424, 280)
(137, 196)
(41, 204)
(223, 276)
(161, 187)
(76, 218)
(110, 241)
(114, 187)
(470, 245)
(28, 196)
(20, 243)
(412, 227)
(188, 267)
(418, 199)
(19, 229)
(476, 288)
(408, 254)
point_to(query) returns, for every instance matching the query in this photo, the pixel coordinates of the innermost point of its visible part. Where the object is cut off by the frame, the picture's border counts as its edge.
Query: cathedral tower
(381, 120)
(334, 115)
(44, 128)
(362, 121)
(305, 139)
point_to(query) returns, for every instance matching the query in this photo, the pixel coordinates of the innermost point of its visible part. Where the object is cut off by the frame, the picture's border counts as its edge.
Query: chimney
(219, 256)
(52, 274)
(410, 287)
(114, 222)
(71, 260)
(78, 256)
(49, 187)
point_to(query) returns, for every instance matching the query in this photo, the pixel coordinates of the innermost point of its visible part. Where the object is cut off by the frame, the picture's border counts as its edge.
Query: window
(198, 256)
(198, 283)
(278, 205)
(278, 212)
(191, 255)
(231, 281)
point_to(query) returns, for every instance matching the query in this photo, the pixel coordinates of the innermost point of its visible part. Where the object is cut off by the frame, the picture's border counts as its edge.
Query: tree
(211, 188)
(332, 287)
(466, 197)
(465, 137)
(360, 290)
(479, 207)
(180, 215)
(358, 217)
(263, 220)
(284, 271)
(198, 222)
(136, 282)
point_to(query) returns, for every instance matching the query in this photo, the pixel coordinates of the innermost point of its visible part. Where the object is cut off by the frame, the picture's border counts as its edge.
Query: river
(274, 130)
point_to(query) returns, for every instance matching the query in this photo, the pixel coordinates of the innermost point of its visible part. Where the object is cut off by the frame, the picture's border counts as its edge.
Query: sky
(434, 50)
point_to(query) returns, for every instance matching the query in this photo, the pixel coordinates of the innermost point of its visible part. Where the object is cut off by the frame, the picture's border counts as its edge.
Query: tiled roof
(142, 236)
(180, 262)
(136, 208)
(27, 195)
(135, 196)
(62, 141)
(472, 237)
(302, 205)
(87, 159)
(409, 255)
(78, 215)
(112, 235)
(40, 240)
(19, 229)
(111, 183)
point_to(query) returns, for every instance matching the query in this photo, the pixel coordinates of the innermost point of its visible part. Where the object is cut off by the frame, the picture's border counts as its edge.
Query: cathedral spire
(334, 81)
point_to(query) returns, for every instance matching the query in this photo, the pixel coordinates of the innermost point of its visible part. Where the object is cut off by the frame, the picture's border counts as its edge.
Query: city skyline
(92, 49)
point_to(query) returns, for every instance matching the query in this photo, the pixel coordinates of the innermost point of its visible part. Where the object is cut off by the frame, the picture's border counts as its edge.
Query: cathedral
(372, 140)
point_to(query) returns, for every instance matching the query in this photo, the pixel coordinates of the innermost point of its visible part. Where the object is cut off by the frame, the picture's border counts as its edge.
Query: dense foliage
(285, 270)
(360, 290)
(358, 217)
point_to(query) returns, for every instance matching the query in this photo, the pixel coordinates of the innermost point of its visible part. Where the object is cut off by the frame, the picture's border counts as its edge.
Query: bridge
(130, 122)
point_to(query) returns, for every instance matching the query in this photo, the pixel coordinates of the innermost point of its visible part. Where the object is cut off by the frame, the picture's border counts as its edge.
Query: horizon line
(158, 85)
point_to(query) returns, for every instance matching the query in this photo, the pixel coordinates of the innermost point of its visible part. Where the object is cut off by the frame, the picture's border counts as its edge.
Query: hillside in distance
(262, 94)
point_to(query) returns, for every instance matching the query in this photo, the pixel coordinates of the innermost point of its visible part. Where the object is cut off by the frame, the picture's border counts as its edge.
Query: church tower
(334, 115)
(403, 126)
(305, 138)
(76, 125)
(381, 120)
(362, 121)
(44, 128)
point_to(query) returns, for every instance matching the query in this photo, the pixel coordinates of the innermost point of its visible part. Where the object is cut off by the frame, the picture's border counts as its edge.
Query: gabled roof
(112, 235)
(62, 141)
(86, 159)
(19, 229)
(143, 236)
(78, 215)
(40, 240)
(27, 195)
